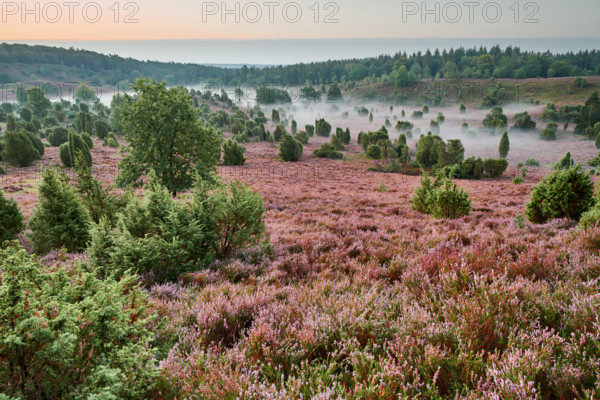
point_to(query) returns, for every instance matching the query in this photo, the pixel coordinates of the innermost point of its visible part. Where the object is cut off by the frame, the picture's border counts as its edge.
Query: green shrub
(19, 149)
(495, 121)
(374, 152)
(328, 150)
(548, 134)
(472, 168)
(462, 109)
(302, 137)
(518, 179)
(532, 162)
(580, 82)
(233, 153)
(504, 146)
(290, 149)
(68, 151)
(58, 136)
(495, 168)
(310, 129)
(441, 198)
(87, 140)
(343, 135)
(278, 133)
(166, 237)
(524, 122)
(590, 218)
(64, 155)
(428, 150)
(338, 143)
(99, 201)
(563, 194)
(11, 219)
(101, 129)
(59, 220)
(112, 142)
(37, 143)
(72, 335)
(565, 163)
(322, 128)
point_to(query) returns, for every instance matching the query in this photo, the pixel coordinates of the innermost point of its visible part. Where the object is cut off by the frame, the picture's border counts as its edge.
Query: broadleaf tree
(164, 135)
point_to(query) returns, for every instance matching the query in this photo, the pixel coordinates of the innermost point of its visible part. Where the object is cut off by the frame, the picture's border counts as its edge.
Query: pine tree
(59, 220)
(504, 145)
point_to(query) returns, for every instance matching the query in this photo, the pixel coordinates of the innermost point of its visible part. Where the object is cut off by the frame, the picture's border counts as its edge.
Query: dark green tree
(60, 219)
(590, 113)
(334, 93)
(290, 149)
(11, 219)
(504, 147)
(165, 135)
(19, 149)
(564, 194)
(233, 153)
(25, 113)
(37, 101)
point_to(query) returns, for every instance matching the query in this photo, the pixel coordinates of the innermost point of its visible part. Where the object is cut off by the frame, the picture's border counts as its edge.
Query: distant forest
(28, 63)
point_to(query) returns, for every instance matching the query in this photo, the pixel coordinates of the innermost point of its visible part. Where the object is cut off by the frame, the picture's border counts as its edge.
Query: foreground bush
(59, 220)
(71, 335)
(441, 198)
(163, 237)
(11, 219)
(564, 194)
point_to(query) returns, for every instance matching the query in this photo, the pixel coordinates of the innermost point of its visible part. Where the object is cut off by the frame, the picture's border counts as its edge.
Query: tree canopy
(165, 135)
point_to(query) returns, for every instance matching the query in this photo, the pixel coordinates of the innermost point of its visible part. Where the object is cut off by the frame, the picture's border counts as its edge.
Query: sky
(108, 20)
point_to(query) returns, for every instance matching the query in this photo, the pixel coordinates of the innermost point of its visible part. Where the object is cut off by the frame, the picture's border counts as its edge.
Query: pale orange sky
(188, 19)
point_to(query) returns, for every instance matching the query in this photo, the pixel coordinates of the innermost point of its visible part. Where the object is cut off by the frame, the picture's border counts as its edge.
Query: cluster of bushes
(475, 169)
(167, 237)
(441, 198)
(75, 145)
(322, 128)
(495, 121)
(524, 122)
(377, 145)
(328, 150)
(433, 151)
(549, 133)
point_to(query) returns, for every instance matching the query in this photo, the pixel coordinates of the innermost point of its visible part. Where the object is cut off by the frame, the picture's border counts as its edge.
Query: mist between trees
(445, 90)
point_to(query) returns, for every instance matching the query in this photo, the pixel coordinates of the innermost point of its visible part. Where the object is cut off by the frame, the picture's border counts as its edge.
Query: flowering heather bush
(364, 298)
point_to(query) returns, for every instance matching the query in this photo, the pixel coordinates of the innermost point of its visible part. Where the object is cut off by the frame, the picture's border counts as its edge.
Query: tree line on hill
(511, 62)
